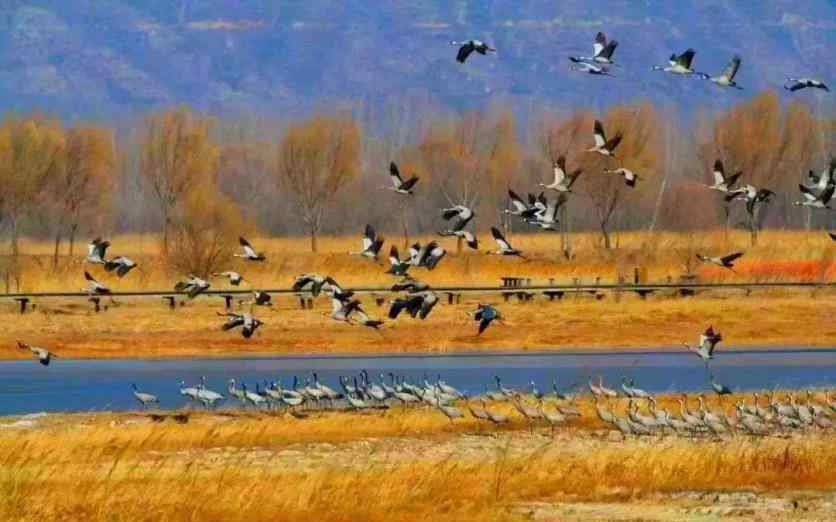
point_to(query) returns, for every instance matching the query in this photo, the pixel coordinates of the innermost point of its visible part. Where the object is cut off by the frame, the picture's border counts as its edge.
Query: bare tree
(82, 186)
(204, 232)
(30, 152)
(314, 160)
(175, 157)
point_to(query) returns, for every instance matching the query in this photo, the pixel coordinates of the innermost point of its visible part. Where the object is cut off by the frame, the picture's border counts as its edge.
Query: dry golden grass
(395, 465)
(146, 328)
(150, 329)
(780, 256)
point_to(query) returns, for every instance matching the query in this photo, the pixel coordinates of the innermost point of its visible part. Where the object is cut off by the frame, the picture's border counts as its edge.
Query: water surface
(92, 385)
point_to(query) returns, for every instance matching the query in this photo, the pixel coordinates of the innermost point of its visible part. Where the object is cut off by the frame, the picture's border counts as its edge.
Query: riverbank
(148, 329)
(397, 464)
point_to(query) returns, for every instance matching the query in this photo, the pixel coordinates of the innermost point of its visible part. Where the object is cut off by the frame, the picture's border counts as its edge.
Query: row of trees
(201, 181)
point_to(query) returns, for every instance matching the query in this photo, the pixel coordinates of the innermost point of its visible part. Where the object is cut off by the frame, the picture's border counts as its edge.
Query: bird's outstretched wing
(395, 174)
(731, 257)
(500, 239)
(408, 184)
(599, 134)
(613, 143)
(686, 58)
(464, 52)
(600, 44)
(731, 69)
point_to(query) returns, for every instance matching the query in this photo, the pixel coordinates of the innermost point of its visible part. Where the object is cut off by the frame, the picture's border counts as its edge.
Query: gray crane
(144, 398)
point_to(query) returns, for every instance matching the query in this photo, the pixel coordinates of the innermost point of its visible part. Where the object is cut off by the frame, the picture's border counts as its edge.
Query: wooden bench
(453, 297)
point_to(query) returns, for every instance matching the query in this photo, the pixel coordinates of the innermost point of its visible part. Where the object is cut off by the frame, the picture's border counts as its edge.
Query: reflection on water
(82, 385)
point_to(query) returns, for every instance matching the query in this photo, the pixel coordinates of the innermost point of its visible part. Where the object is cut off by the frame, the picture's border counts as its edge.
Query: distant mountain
(97, 59)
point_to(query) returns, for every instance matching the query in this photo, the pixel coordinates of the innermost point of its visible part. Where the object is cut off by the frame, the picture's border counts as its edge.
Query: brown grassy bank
(146, 328)
(779, 256)
(397, 465)
(150, 329)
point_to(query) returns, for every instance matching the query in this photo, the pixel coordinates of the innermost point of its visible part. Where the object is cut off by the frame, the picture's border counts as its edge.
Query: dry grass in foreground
(397, 465)
(149, 329)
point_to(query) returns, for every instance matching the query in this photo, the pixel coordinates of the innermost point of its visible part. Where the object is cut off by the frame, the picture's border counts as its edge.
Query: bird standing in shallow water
(144, 398)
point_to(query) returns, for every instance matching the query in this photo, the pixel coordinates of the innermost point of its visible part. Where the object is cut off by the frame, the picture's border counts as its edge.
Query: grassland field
(147, 328)
(405, 463)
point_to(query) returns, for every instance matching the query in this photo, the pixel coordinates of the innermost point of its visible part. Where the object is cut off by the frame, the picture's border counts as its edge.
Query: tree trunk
(14, 238)
(606, 234)
(404, 225)
(565, 244)
(753, 227)
(73, 229)
(313, 239)
(55, 249)
(458, 245)
(809, 220)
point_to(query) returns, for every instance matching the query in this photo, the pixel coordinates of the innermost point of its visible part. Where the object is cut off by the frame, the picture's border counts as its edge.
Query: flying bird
(417, 304)
(247, 322)
(460, 216)
(602, 146)
(707, 343)
(468, 46)
(43, 355)
(249, 253)
(396, 266)
(505, 248)
(261, 298)
(398, 184)
(724, 262)
(427, 256)
(410, 284)
(629, 176)
(94, 287)
(318, 284)
(356, 313)
(723, 183)
(485, 314)
(234, 277)
(813, 200)
(562, 182)
(796, 84)
(96, 250)
(372, 243)
(821, 181)
(122, 265)
(726, 78)
(590, 68)
(547, 220)
(192, 285)
(681, 64)
(602, 51)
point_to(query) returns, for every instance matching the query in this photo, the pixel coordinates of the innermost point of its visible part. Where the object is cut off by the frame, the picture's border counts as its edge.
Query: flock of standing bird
(641, 413)
(417, 299)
